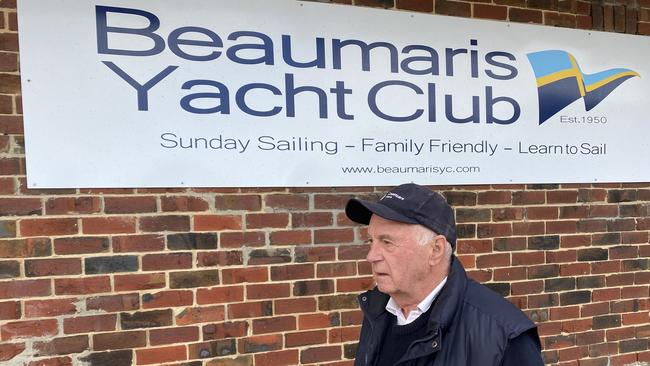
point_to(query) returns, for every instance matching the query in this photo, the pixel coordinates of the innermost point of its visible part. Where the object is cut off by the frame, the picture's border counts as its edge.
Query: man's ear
(438, 248)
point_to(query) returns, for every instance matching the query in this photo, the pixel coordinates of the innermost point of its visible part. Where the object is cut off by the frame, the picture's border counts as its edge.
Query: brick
(237, 361)
(507, 214)
(249, 274)
(183, 204)
(315, 254)
(311, 219)
(135, 282)
(112, 264)
(48, 227)
(138, 243)
(212, 349)
(72, 205)
(146, 319)
(25, 288)
(267, 291)
(80, 245)
(114, 303)
(160, 355)
(29, 328)
(61, 346)
(331, 201)
(10, 166)
(486, 11)
(316, 321)
(527, 197)
(507, 244)
(575, 297)
(250, 309)
(340, 269)
(590, 282)
(10, 350)
(464, 215)
(542, 301)
(204, 278)
(528, 228)
(493, 230)
(320, 354)
(9, 269)
(267, 220)
(20, 206)
(119, 340)
(89, 324)
(592, 254)
(263, 343)
(161, 262)
(238, 202)
(308, 288)
(352, 252)
(190, 241)
(50, 307)
(337, 302)
(526, 287)
(203, 314)
(122, 205)
(560, 19)
(10, 310)
(292, 272)
(453, 8)
(225, 330)
(493, 260)
(561, 227)
(544, 242)
(164, 299)
(113, 358)
(295, 306)
(217, 222)
(219, 258)
(8, 62)
(274, 325)
(164, 223)
(415, 5)
(299, 339)
(606, 321)
(25, 248)
(108, 225)
(270, 256)
(292, 237)
(278, 358)
(241, 239)
(606, 239)
(525, 16)
(163, 336)
(633, 345)
(287, 201)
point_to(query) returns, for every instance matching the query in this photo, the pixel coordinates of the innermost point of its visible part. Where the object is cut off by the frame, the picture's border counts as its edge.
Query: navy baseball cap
(409, 203)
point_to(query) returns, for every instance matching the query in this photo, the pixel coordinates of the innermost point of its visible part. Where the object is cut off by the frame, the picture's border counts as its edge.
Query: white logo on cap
(391, 195)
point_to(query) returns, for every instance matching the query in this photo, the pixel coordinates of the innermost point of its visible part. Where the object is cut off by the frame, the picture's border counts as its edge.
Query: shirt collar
(422, 307)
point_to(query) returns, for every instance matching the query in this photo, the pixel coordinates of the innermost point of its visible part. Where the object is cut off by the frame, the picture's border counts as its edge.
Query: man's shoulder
(495, 307)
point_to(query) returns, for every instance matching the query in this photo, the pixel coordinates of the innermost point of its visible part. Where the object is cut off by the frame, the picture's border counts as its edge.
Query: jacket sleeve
(523, 350)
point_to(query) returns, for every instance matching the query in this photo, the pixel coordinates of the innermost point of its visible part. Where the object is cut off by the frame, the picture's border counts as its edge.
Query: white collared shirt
(422, 307)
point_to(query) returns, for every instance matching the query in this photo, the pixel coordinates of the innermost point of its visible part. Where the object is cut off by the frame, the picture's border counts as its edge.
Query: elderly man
(424, 310)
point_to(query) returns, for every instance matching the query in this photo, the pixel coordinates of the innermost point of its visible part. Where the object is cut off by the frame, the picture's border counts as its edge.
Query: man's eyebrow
(385, 236)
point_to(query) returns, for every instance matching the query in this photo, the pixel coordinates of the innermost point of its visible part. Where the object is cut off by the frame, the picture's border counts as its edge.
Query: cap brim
(361, 211)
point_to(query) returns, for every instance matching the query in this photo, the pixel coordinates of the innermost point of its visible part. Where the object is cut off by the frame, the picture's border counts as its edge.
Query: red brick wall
(244, 277)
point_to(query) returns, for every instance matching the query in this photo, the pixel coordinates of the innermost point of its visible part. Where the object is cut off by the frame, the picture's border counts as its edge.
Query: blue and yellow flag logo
(560, 82)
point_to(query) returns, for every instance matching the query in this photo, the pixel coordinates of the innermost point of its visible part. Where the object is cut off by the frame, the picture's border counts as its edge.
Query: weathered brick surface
(270, 276)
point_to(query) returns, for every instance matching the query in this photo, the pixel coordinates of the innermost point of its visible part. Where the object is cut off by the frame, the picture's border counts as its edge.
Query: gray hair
(427, 236)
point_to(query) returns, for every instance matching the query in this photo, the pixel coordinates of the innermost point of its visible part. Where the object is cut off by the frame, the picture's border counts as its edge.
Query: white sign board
(287, 93)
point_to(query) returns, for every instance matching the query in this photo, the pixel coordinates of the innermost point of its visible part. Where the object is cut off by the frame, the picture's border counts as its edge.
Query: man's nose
(374, 254)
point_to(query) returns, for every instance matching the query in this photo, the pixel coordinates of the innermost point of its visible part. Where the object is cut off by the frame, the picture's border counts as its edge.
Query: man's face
(399, 263)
